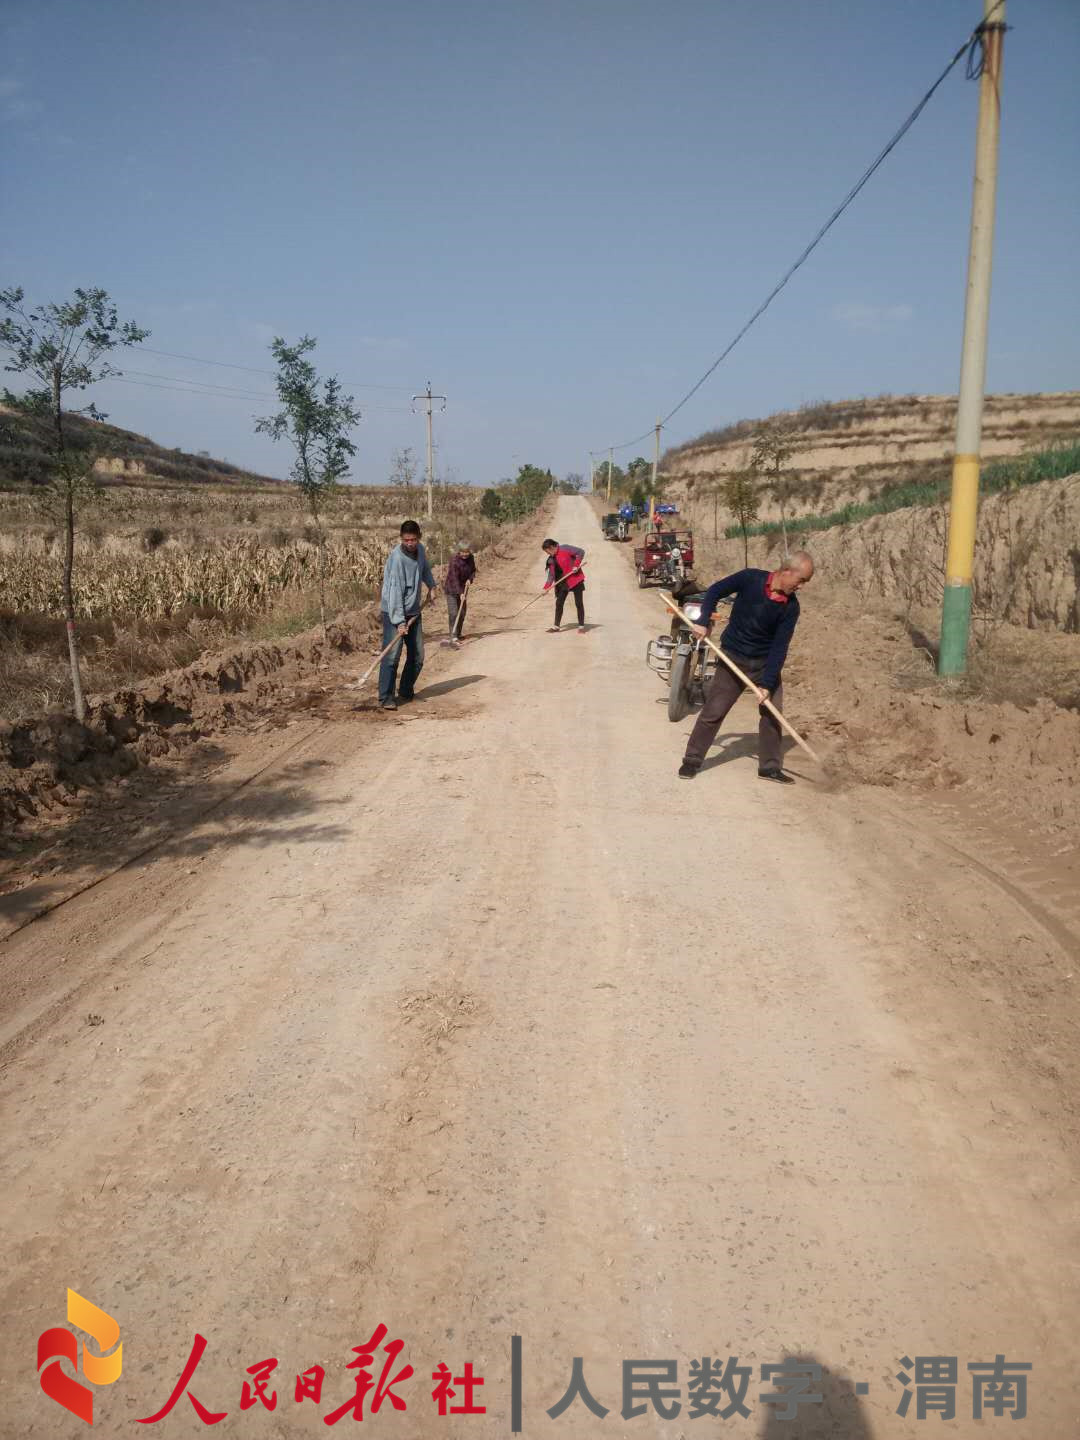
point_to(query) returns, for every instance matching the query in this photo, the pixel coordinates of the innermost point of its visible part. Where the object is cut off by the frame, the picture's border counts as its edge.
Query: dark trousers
(578, 593)
(452, 603)
(722, 694)
(413, 644)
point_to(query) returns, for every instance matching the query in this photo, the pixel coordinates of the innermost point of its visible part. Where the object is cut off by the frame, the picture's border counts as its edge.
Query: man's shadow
(444, 687)
(841, 1414)
(733, 746)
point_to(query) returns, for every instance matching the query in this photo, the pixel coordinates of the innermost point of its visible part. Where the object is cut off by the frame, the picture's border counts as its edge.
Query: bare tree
(63, 346)
(741, 498)
(773, 448)
(403, 468)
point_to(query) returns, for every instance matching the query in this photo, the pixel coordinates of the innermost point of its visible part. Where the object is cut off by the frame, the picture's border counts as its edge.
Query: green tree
(64, 347)
(524, 494)
(639, 472)
(315, 418)
(741, 498)
(618, 477)
(491, 505)
(773, 448)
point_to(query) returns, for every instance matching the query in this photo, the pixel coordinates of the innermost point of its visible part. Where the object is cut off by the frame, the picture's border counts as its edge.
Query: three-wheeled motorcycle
(666, 558)
(681, 658)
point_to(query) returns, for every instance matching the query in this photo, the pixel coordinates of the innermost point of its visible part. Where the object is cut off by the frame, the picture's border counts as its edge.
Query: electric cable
(968, 48)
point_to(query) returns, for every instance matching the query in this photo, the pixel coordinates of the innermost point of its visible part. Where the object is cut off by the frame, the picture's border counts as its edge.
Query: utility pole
(428, 397)
(610, 468)
(963, 511)
(655, 468)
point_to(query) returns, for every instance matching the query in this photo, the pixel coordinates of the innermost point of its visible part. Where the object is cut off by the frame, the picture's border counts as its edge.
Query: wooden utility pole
(963, 511)
(428, 397)
(610, 468)
(655, 468)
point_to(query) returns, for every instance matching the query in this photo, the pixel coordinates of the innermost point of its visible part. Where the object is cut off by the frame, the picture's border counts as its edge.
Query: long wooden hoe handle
(460, 611)
(576, 570)
(670, 603)
(386, 651)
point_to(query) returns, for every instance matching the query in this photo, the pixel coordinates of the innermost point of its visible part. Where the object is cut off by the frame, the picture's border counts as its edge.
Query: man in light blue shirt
(407, 569)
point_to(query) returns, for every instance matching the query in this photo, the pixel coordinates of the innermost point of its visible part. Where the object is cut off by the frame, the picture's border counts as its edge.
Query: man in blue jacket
(406, 570)
(763, 620)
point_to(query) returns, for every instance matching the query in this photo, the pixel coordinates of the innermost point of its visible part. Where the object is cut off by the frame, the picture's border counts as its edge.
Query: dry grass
(1020, 666)
(34, 671)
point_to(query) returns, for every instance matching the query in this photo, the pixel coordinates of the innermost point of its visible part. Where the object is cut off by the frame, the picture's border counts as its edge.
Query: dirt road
(483, 1024)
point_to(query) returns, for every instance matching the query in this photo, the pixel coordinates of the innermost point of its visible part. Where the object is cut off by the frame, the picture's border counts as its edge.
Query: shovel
(670, 603)
(575, 571)
(452, 642)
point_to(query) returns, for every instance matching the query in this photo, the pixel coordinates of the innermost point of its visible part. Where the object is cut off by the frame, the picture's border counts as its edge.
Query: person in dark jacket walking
(565, 560)
(757, 636)
(459, 572)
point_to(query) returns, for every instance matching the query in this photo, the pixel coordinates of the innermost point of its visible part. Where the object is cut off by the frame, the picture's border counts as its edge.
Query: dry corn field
(240, 507)
(144, 553)
(164, 573)
(233, 576)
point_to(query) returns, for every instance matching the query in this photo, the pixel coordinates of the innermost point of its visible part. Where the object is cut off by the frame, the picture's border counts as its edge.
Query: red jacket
(566, 558)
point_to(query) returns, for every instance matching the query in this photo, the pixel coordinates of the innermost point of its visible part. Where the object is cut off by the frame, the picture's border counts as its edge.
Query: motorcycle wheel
(678, 704)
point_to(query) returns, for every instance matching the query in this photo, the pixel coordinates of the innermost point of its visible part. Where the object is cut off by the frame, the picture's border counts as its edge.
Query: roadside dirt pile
(46, 760)
(857, 678)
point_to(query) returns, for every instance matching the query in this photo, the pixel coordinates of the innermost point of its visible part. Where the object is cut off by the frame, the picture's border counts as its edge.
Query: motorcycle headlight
(692, 612)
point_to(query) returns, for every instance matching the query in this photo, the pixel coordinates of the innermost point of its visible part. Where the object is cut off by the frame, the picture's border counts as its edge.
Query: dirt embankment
(850, 451)
(1027, 558)
(46, 760)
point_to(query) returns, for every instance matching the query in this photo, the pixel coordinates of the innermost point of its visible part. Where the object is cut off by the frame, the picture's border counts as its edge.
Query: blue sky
(559, 213)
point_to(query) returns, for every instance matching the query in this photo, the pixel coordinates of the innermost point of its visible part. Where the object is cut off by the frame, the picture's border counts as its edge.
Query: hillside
(853, 451)
(124, 456)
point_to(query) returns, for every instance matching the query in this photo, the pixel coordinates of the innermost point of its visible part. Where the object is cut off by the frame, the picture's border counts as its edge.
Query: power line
(221, 392)
(217, 393)
(253, 370)
(202, 384)
(967, 48)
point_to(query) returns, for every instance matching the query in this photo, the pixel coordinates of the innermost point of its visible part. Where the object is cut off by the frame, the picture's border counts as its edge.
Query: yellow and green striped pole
(963, 512)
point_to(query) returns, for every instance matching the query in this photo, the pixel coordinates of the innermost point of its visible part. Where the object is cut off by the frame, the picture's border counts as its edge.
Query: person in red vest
(565, 560)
